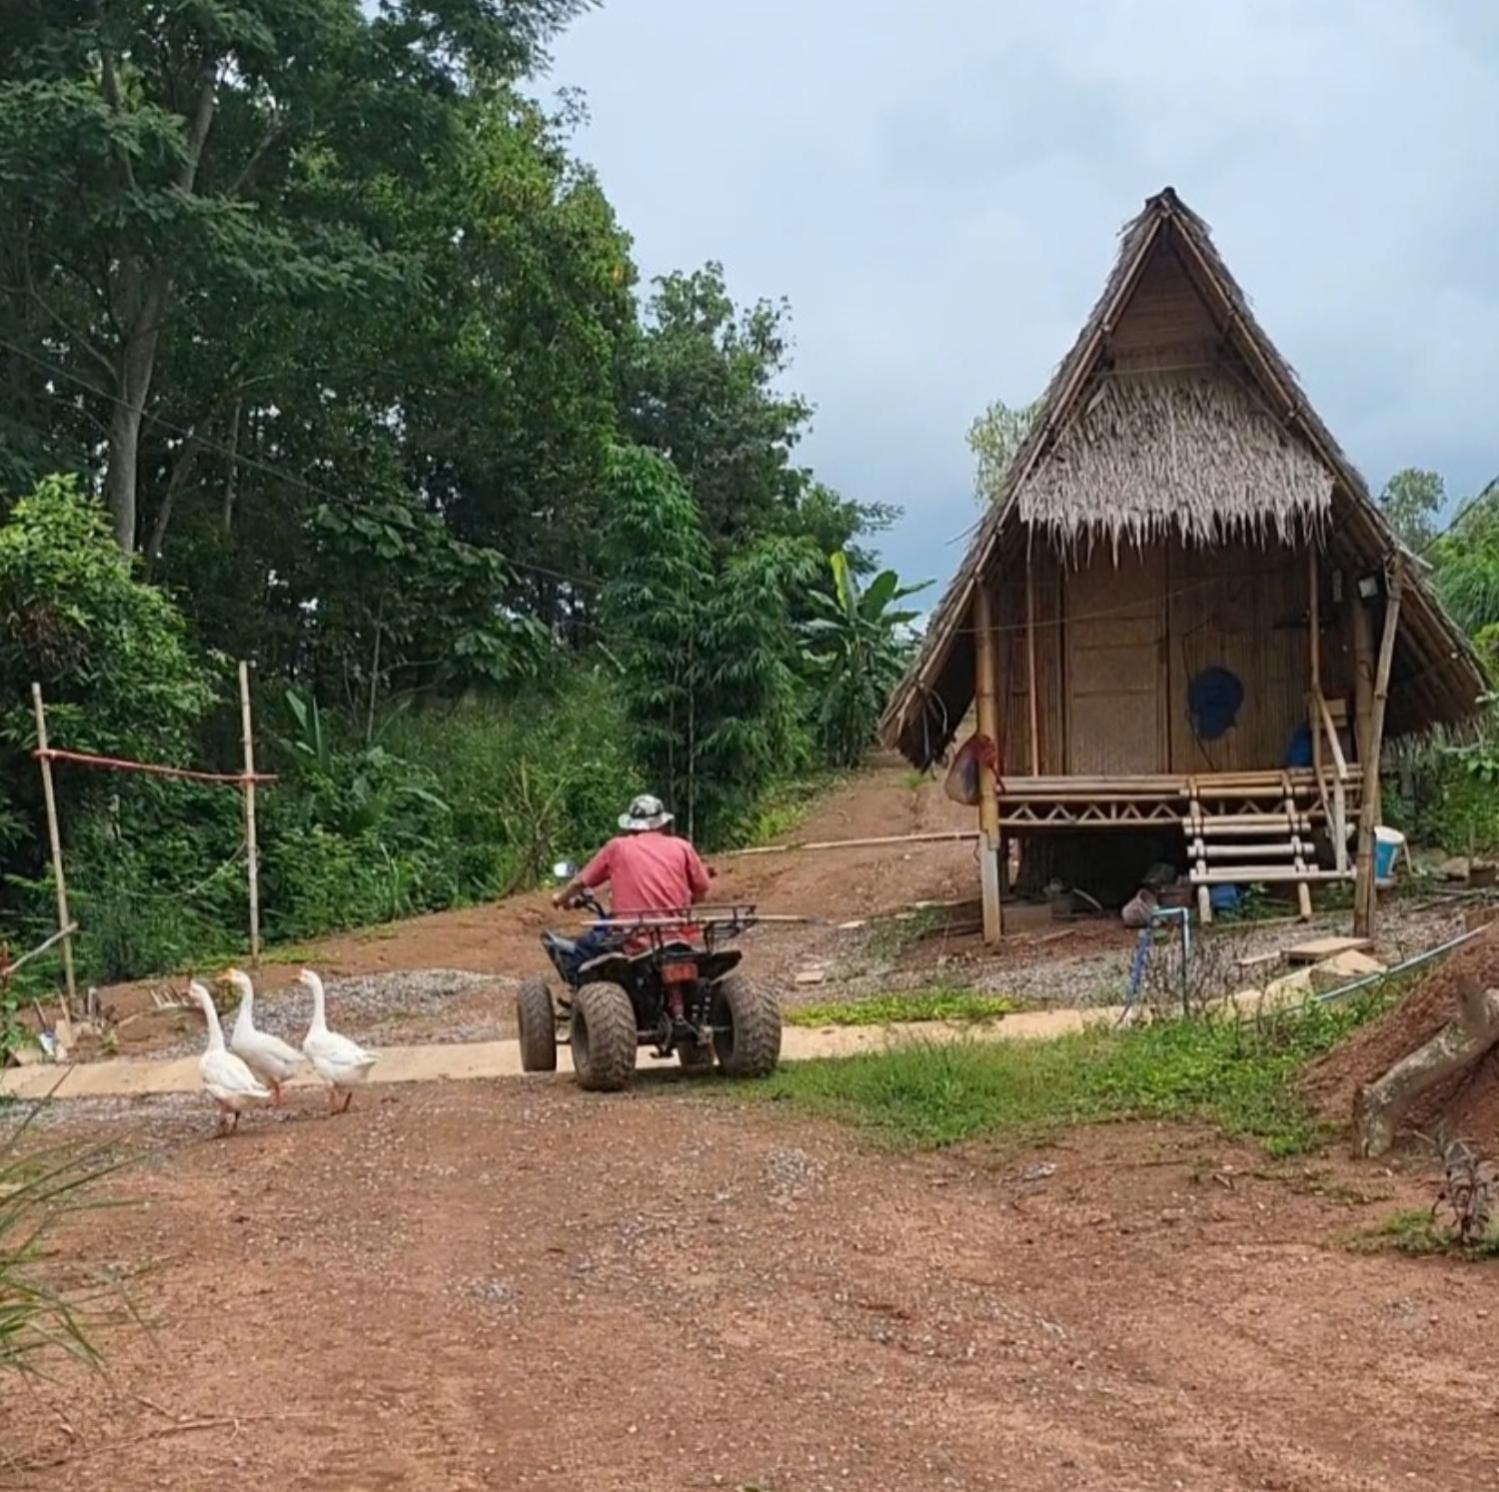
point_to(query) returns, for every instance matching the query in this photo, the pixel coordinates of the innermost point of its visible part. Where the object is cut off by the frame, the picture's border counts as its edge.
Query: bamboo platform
(1240, 801)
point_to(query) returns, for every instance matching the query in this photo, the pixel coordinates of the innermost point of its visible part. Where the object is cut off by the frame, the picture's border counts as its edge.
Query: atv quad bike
(679, 997)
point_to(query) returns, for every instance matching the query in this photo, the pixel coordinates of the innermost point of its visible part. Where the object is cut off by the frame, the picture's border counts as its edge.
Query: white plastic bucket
(1387, 847)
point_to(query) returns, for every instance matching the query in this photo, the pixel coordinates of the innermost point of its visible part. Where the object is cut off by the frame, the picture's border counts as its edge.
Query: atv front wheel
(538, 1026)
(748, 1017)
(603, 1038)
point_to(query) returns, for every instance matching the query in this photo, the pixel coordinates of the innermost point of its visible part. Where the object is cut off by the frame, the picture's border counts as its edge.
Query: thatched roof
(1194, 457)
(1118, 455)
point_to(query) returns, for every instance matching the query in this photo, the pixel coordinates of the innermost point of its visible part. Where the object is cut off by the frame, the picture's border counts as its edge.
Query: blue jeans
(592, 943)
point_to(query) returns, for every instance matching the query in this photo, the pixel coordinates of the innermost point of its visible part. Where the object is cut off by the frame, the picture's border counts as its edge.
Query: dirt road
(496, 1285)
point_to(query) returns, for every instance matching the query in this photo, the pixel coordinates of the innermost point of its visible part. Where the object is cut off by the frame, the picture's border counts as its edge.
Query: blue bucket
(1387, 845)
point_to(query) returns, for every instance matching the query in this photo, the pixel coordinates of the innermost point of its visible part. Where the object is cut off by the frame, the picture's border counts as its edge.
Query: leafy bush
(110, 652)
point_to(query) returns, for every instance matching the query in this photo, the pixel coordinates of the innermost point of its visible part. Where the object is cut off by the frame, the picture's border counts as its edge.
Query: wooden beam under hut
(986, 693)
(1364, 892)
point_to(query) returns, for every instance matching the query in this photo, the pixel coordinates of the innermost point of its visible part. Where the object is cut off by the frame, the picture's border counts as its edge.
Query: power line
(252, 462)
(1490, 488)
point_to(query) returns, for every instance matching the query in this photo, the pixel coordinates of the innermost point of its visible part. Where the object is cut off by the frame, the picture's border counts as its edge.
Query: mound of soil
(1468, 1104)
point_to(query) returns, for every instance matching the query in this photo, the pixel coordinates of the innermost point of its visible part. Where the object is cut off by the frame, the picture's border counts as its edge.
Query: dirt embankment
(1466, 1105)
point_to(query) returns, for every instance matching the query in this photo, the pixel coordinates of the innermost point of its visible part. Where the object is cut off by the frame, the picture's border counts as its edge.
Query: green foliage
(1238, 1075)
(352, 353)
(957, 1006)
(994, 438)
(857, 646)
(1412, 499)
(706, 648)
(110, 653)
(1416, 1232)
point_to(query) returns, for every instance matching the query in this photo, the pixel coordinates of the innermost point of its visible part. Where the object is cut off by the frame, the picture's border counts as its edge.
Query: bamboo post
(989, 867)
(1314, 612)
(252, 852)
(1363, 687)
(54, 836)
(1364, 894)
(1030, 663)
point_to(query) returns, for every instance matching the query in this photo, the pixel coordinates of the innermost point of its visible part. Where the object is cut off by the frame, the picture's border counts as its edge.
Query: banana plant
(856, 645)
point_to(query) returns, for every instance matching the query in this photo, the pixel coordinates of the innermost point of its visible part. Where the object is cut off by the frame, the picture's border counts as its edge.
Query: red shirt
(649, 872)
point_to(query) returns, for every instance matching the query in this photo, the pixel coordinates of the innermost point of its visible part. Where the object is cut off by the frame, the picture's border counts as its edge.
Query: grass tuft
(1238, 1075)
(44, 1306)
(1416, 1232)
(957, 1006)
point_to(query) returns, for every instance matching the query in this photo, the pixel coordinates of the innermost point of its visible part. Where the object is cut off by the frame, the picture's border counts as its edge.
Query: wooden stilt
(54, 838)
(252, 852)
(988, 723)
(1363, 686)
(1364, 894)
(1314, 614)
(1030, 663)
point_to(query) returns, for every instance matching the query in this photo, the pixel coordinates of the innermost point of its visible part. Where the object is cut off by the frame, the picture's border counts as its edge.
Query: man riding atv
(648, 871)
(654, 974)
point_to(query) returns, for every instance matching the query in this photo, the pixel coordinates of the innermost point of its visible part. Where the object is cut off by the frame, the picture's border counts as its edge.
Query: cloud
(938, 189)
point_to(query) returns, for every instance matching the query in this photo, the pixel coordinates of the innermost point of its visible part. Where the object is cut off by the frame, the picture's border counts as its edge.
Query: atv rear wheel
(603, 1038)
(538, 1025)
(749, 1015)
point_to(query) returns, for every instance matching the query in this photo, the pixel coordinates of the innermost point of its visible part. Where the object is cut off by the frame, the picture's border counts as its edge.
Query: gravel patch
(381, 1008)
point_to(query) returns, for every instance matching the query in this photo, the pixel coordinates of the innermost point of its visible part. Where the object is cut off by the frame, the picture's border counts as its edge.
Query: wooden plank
(1247, 875)
(1314, 951)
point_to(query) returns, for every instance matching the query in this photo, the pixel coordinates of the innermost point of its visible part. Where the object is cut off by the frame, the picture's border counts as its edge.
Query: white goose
(232, 1086)
(272, 1060)
(341, 1063)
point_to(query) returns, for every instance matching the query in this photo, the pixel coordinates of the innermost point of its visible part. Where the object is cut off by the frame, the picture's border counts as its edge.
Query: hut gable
(1174, 420)
(1171, 437)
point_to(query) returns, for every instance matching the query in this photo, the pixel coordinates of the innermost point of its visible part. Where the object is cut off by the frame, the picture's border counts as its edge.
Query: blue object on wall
(1213, 700)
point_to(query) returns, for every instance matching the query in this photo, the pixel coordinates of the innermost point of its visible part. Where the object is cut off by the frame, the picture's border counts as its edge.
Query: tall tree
(1411, 500)
(218, 153)
(995, 438)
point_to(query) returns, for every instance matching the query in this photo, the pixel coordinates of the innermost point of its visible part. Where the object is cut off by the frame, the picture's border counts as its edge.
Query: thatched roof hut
(1174, 419)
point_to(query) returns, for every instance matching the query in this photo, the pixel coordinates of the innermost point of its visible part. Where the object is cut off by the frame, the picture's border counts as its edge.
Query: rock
(1456, 868)
(1333, 973)
(1290, 988)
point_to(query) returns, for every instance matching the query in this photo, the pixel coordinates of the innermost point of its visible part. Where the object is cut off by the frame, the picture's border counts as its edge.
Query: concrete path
(137, 1077)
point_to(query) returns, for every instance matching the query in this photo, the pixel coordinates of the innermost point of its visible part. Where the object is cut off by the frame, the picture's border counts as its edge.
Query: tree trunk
(1460, 1043)
(143, 307)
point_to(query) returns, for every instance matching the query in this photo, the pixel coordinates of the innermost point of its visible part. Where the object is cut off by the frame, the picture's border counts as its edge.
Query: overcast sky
(937, 189)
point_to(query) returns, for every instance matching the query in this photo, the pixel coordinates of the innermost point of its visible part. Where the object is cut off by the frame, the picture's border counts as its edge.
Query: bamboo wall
(1116, 648)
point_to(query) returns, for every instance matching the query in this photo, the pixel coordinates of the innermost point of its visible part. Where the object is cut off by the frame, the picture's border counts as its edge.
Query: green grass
(915, 1005)
(47, 1303)
(1415, 1233)
(783, 808)
(1240, 1076)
